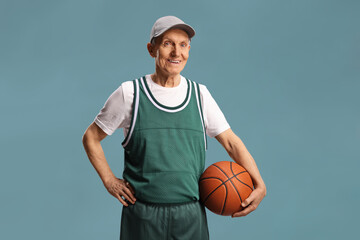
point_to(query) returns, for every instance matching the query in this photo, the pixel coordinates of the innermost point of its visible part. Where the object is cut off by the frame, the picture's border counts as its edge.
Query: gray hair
(153, 40)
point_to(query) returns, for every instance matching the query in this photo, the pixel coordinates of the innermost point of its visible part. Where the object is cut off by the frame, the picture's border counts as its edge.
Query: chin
(175, 72)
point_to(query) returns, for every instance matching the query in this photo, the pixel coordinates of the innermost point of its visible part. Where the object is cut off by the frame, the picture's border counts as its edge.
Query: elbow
(230, 148)
(230, 152)
(85, 138)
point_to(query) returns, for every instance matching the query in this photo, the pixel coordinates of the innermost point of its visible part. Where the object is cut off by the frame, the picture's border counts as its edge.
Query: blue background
(285, 73)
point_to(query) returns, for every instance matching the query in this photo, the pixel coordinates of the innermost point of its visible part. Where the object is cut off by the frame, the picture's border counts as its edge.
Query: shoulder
(202, 88)
(127, 86)
(204, 92)
(123, 86)
(205, 95)
(124, 89)
(122, 95)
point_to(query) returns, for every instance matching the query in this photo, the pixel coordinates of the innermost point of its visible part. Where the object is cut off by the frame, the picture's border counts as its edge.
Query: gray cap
(165, 23)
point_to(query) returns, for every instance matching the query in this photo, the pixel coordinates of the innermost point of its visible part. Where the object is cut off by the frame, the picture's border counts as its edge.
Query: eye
(183, 44)
(167, 43)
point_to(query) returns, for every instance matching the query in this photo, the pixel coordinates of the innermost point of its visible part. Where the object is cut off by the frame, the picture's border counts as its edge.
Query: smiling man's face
(171, 52)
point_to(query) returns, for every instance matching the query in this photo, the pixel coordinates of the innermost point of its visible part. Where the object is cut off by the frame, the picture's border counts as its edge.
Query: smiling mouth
(173, 61)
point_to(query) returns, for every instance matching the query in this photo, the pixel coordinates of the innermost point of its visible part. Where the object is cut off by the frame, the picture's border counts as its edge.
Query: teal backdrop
(285, 73)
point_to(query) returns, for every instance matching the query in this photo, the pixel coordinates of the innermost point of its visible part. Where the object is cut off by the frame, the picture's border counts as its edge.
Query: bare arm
(238, 152)
(116, 187)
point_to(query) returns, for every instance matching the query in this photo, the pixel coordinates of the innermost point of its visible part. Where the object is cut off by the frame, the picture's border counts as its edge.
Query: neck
(166, 80)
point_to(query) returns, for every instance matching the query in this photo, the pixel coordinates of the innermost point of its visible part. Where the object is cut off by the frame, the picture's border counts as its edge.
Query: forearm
(238, 152)
(241, 155)
(97, 158)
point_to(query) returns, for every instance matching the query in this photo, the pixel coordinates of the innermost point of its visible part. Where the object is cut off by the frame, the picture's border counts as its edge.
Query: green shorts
(147, 221)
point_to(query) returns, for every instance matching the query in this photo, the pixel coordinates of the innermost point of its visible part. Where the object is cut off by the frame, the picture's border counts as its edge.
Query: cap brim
(187, 28)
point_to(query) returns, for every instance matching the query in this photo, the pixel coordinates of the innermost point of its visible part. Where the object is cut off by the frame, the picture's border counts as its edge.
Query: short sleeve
(214, 119)
(116, 112)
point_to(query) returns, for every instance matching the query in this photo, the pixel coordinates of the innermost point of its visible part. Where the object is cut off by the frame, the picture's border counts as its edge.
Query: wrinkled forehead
(172, 34)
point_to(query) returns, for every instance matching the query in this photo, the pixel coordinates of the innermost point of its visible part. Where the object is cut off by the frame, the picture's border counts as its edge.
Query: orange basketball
(224, 186)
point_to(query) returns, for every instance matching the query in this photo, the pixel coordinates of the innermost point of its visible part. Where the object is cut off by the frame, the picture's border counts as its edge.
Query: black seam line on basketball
(210, 178)
(237, 178)
(226, 193)
(225, 173)
(220, 178)
(235, 175)
(214, 189)
(219, 185)
(233, 183)
(231, 177)
(244, 183)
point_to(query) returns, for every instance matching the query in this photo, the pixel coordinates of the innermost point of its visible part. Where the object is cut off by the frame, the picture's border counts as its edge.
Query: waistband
(166, 204)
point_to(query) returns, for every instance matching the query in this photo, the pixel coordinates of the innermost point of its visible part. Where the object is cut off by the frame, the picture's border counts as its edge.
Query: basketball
(224, 186)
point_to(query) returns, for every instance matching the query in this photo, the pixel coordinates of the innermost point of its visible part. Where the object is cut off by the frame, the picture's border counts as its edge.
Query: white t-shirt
(116, 113)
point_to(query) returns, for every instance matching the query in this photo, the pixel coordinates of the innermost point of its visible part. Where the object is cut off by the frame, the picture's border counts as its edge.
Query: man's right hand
(121, 190)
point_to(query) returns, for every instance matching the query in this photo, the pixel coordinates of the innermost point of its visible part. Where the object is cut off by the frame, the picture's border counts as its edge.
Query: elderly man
(165, 118)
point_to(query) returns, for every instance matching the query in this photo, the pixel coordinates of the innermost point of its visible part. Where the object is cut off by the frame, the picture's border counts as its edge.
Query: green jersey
(165, 147)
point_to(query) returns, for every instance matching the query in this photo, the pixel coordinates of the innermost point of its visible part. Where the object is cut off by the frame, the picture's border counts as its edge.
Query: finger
(245, 211)
(248, 201)
(121, 200)
(128, 195)
(130, 187)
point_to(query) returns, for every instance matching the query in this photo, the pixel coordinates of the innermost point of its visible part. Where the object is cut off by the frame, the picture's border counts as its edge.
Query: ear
(151, 50)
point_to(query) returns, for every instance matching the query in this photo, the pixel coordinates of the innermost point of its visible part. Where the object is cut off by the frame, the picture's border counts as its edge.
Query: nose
(176, 51)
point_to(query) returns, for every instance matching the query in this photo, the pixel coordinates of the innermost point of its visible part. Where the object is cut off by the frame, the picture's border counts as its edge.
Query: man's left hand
(251, 203)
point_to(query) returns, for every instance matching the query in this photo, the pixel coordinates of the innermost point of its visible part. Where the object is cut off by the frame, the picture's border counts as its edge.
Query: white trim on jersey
(164, 109)
(136, 106)
(201, 117)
